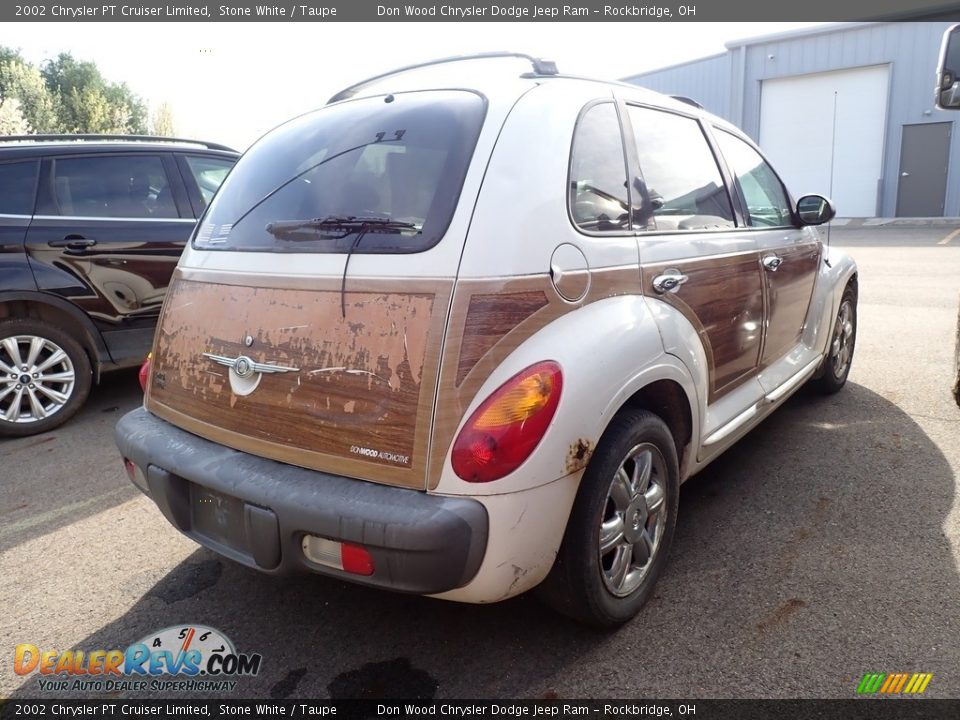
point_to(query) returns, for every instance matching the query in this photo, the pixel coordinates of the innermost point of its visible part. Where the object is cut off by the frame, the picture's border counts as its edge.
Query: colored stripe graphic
(894, 683)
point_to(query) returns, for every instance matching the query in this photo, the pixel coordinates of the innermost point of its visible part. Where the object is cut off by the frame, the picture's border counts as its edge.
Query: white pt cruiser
(466, 329)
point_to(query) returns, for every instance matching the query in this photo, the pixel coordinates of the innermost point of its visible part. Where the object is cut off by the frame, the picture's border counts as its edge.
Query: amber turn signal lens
(508, 425)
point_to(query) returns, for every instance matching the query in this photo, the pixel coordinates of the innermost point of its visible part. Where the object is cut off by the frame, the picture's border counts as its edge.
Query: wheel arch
(59, 312)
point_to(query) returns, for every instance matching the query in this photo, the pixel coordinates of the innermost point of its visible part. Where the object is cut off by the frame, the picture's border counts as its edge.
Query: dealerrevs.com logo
(176, 659)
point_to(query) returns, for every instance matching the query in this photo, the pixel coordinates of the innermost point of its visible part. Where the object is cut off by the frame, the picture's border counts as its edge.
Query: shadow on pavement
(811, 553)
(51, 480)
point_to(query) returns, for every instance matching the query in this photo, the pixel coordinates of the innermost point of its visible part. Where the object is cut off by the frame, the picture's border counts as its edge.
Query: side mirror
(815, 210)
(948, 84)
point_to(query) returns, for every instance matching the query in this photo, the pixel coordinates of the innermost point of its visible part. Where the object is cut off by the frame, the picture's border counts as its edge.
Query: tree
(161, 122)
(21, 82)
(88, 103)
(12, 121)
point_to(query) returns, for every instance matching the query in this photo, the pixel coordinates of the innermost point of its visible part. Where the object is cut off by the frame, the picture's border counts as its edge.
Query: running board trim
(731, 426)
(794, 382)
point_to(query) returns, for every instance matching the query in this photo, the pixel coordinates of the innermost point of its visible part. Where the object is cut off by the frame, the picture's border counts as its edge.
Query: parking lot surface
(825, 545)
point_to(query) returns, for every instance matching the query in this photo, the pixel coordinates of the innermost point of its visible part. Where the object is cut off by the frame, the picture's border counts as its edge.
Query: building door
(924, 152)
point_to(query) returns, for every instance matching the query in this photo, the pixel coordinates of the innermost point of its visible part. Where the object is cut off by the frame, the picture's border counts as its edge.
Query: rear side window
(599, 199)
(683, 188)
(765, 198)
(397, 159)
(114, 186)
(18, 185)
(208, 172)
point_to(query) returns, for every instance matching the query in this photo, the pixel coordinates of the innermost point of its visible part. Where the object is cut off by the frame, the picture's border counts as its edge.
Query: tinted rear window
(401, 157)
(18, 183)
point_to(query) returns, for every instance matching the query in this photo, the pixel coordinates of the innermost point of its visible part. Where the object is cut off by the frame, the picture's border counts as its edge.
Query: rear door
(108, 232)
(789, 256)
(696, 261)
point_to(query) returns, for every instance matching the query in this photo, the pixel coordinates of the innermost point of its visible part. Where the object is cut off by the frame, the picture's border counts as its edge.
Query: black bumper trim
(420, 543)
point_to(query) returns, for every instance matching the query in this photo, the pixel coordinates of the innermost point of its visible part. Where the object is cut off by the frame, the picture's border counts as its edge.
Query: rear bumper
(257, 511)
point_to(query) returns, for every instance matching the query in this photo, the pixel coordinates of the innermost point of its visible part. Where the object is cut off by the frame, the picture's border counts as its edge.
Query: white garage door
(797, 134)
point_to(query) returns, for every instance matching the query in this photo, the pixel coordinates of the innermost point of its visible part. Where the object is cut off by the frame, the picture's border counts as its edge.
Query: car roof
(20, 146)
(502, 77)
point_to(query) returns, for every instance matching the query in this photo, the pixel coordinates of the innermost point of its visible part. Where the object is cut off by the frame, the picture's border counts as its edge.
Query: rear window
(399, 158)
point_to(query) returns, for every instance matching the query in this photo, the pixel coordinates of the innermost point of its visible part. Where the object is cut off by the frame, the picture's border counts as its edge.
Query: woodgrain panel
(360, 401)
(453, 397)
(789, 291)
(489, 318)
(723, 299)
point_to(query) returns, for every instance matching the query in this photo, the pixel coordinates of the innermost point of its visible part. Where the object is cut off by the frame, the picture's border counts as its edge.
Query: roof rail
(540, 67)
(688, 101)
(68, 137)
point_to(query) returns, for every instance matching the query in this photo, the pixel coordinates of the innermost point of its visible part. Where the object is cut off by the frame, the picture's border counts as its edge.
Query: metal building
(845, 110)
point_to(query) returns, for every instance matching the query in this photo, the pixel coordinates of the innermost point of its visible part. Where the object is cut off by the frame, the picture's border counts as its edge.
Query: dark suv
(91, 228)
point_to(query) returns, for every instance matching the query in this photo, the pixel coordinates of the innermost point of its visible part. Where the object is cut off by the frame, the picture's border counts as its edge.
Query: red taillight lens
(506, 428)
(356, 559)
(145, 372)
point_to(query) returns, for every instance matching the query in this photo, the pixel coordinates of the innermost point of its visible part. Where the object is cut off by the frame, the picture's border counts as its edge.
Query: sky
(232, 82)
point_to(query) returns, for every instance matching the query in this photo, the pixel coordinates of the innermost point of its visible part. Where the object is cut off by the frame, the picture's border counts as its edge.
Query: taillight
(506, 428)
(145, 372)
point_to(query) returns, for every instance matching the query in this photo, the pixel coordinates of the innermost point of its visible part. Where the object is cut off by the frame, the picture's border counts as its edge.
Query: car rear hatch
(305, 322)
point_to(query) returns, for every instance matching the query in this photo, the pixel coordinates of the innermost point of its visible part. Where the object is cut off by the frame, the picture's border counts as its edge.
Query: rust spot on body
(579, 455)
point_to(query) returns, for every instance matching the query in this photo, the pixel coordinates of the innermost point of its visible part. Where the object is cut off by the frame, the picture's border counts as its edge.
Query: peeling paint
(579, 455)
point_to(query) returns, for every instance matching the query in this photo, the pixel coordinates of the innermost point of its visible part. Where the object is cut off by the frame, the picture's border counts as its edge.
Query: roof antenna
(833, 150)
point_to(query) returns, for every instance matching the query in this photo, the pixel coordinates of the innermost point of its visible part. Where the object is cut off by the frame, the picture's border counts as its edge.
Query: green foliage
(23, 93)
(161, 122)
(65, 95)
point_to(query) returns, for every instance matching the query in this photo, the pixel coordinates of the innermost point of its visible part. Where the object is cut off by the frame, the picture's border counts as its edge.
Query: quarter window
(766, 200)
(209, 173)
(18, 183)
(599, 199)
(131, 186)
(681, 185)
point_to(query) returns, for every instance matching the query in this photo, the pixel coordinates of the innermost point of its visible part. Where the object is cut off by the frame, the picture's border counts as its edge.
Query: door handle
(669, 281)
(904, 174)
(73, 242)
(772, 262)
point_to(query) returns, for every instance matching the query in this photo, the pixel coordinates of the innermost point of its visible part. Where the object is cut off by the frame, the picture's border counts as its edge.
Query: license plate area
(218, 517)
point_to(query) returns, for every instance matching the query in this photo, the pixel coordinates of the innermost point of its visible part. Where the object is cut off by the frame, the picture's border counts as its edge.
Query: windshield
(399, 158)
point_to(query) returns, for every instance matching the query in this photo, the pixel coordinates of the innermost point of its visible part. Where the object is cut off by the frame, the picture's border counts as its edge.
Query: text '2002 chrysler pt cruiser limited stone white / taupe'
(465, 333)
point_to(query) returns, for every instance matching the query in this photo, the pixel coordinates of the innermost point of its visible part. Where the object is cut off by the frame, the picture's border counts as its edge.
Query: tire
(843, 339)
(54, 385)
(584, 583)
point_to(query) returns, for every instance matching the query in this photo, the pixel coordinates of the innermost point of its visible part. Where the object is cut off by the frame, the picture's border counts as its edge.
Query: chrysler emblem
(245, 373)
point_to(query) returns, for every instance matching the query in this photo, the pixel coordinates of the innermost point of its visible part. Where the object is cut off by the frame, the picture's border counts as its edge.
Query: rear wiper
(343, 225)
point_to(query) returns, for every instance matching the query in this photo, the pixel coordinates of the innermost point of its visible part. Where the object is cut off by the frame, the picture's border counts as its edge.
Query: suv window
(683, 186)
(18, 181)
(599, 198)
(209, 173)
(400, 158)
(116, 186)
(767, 202)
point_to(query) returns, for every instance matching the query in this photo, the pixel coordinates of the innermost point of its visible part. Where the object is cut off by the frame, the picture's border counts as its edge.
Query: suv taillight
(145, 372)
(506, 428)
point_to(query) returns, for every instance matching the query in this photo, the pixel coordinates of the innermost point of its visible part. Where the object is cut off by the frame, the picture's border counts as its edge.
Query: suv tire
(44, 371)
(628, 496)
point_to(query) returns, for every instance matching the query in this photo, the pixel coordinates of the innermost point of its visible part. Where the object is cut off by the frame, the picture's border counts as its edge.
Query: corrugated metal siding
(910, 48)
(707, 81)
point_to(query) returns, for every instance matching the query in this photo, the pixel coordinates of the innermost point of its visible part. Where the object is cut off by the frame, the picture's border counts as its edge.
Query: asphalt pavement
(822, 546)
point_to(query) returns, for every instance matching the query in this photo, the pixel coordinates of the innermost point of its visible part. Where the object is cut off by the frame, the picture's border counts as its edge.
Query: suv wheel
(44, 377)
(836, 366)
(621, 526)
